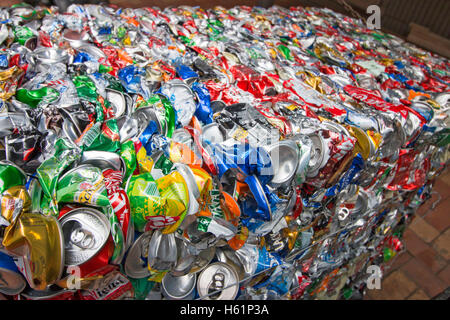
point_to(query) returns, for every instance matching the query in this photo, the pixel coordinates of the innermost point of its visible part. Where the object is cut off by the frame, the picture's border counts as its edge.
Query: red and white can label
(118, 198)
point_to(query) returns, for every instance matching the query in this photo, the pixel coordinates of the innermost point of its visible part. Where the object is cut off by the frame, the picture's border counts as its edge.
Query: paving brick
(445, 176)
(442, 186)
(413, 243)
(424, 252)
(439, 217)
(379, 295)
(423, 229)
(396, 286)
(367, 296)
(423, 209)
(444, 275)
(442, 244)
(441, 192)
(423, 277)
(432, 260)
(399, 261)
(419, 295)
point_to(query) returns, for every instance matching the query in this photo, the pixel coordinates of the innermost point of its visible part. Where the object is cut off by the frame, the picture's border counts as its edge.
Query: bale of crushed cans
(242, 153)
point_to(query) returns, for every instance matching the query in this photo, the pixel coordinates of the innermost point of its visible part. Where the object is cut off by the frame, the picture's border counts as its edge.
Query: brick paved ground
(422, 272)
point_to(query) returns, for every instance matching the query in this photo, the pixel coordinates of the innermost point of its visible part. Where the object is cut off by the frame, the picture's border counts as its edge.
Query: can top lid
(86, 231)
(220, 277)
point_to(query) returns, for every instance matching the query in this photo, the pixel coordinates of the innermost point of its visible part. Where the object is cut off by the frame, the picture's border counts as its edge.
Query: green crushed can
(160, 203)
(34, 97)
(164, 112)
(101, 136)
(49, 172)
(83, 184)
(22, 34)
(10, 176)
(128, 154)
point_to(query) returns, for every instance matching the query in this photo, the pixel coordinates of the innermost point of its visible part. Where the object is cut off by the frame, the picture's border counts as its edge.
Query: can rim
(60, 54)
(126, 264)
(153, 252)
(336, 127)
(311, 171)
(92, 50)
(179, 83)
(362, 194)
(102, 156)
(63, 256)
(130, 235)
(186, 172)
(180, 132)
(177, 271)
(292, 145)
(123, 110)
(223, 256)
(66, 127)
(43, 297)
(152, 116)
(72, 170)
(9, 291)
(129, 102)
(362, 134)
(196, 269)
(127, 184)
(193, 279)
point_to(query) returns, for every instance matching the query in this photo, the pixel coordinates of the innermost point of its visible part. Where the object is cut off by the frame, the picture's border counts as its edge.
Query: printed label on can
(116, 286)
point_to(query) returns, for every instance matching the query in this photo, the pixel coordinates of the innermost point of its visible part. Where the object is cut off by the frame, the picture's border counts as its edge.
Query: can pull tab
(218, 282)
(343, 214)
(82, 238)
